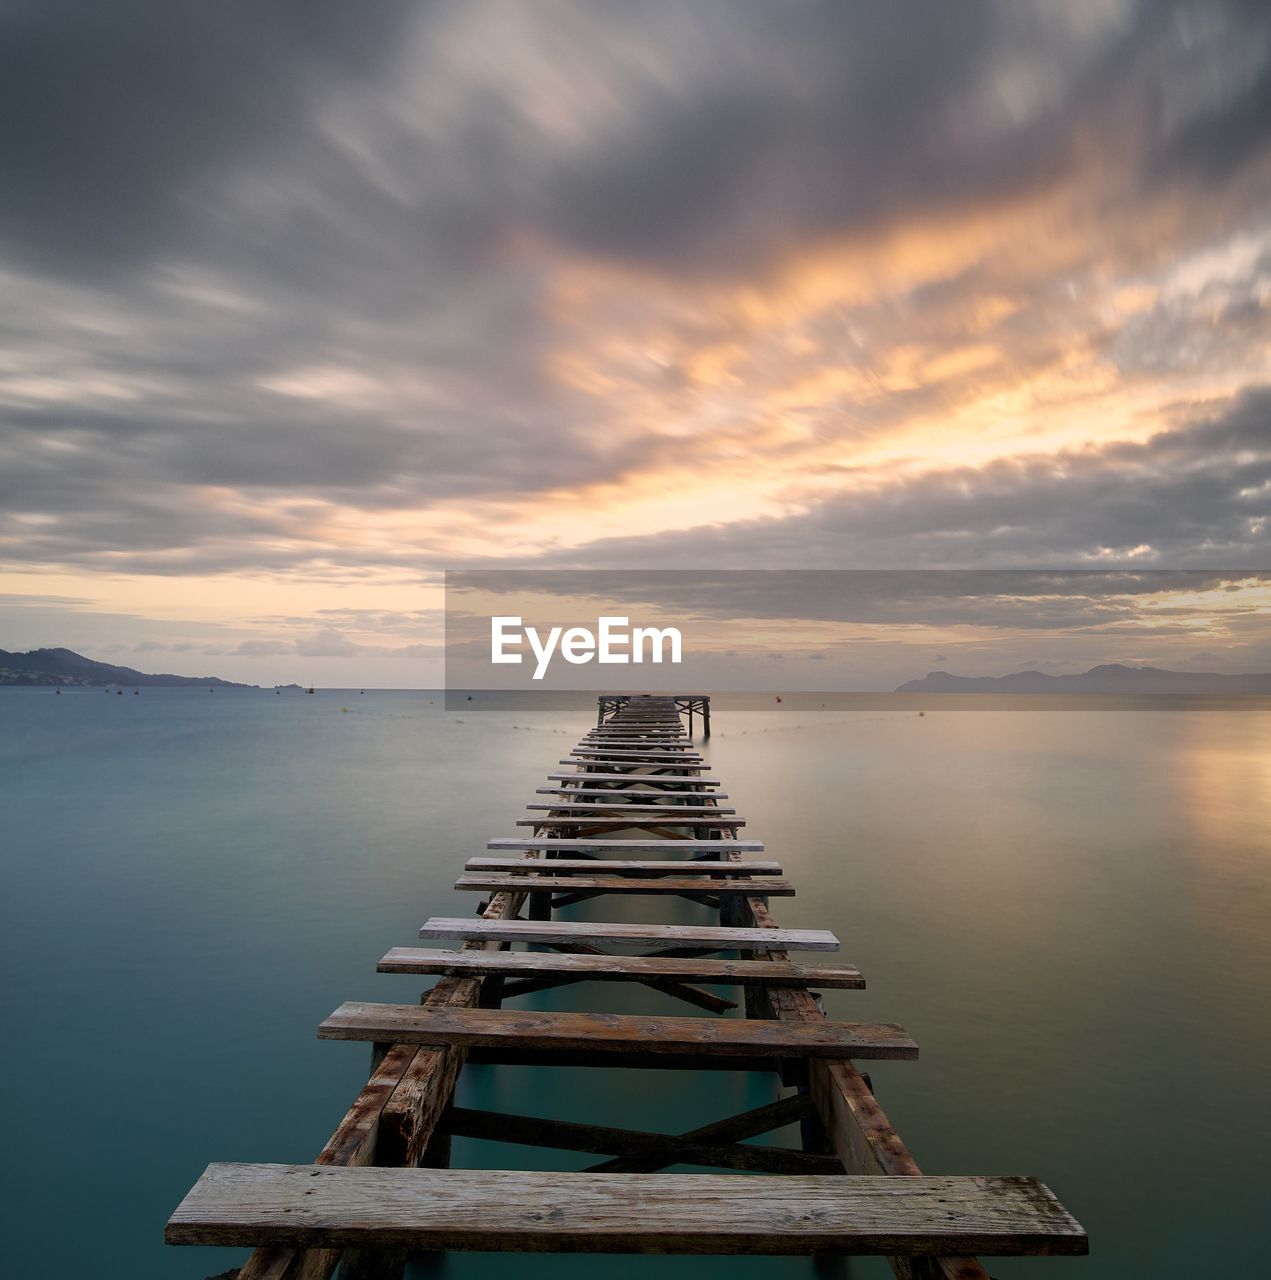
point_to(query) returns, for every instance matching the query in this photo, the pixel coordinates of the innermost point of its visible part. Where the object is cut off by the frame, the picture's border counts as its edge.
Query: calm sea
(1070, 910)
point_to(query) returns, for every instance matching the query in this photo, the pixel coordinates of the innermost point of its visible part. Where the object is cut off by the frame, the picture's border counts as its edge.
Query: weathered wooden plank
(667, 741)
(674, 767)
(602, 808)
(645, 886)
(678, 765)
(634, 793)
(633, 846)
(613, 1033)
(529, 964)
(677, 736)
(644, 728)
(619, 818)
(664, 779)
(499, 1209)
(592, 866)
(712, 937)
(635, 753)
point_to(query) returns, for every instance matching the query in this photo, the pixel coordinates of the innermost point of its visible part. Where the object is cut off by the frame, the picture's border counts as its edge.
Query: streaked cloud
(322, 305)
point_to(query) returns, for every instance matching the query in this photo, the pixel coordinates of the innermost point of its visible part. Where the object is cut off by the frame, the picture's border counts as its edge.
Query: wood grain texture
(528, 964)
(715, 937)
(663, 742)
(644, 867)
(624, 818)
(652, 885)
(669, 779)
(625, 793)
(631, 846)
(569, 805)
(615, 800)
(677, 766)
(580, 755)
(613, 1032)
(483, 1209)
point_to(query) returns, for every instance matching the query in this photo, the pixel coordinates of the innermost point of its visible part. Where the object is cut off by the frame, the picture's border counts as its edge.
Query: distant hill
(69, 670)
(1112, 677)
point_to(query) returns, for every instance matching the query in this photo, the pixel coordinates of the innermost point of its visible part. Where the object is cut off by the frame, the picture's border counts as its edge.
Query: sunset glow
(634, 285)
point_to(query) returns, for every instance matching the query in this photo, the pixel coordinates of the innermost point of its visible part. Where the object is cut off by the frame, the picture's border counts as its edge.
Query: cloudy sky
(305, 303)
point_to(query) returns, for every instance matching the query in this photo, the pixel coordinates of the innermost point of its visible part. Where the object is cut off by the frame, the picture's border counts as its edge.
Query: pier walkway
(638, 816)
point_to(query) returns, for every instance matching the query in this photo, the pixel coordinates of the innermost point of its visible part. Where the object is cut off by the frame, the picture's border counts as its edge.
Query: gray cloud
(1197, 496)
(213, 213)
(112, 120)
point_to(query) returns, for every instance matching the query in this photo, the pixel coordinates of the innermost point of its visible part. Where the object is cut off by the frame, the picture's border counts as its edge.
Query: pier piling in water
(381, 1186)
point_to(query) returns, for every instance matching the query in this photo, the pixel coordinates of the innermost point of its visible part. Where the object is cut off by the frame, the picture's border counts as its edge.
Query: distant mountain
(1112, 677)
(67, 669)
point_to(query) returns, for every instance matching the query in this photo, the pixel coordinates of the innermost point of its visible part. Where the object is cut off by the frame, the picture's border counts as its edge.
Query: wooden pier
(382, 1187)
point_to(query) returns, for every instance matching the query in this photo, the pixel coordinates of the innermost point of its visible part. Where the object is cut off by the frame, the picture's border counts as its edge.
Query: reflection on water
(1067, 908)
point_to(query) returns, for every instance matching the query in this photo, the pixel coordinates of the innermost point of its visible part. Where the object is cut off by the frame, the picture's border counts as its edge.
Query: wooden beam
(629, 793)
(528, 964)
(680, 781)
(735, 1128)
(500, 1209)
(631, 846)
(568, 1135)
(685, 885)
(643, 867)
(613, 1033)
(620, 819)
(710, 937)
(657, 816)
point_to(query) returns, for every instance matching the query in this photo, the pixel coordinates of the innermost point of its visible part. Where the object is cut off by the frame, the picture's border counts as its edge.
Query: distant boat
(308, 690)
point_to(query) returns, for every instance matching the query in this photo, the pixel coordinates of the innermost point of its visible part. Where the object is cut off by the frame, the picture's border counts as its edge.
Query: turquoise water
(1068, 909)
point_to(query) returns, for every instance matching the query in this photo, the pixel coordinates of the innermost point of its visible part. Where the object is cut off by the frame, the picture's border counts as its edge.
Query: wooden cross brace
(717, 1145)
